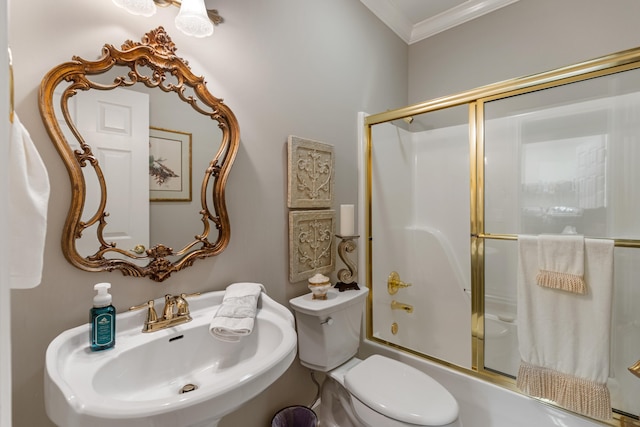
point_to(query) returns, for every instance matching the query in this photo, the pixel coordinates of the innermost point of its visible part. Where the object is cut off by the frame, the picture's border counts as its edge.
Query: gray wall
(285, 67)
(524, 38)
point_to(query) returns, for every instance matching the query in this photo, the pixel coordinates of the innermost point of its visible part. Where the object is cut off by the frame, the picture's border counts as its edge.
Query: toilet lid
(401, 392)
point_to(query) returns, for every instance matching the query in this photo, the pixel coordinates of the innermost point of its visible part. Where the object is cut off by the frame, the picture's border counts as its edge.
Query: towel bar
(620, 243)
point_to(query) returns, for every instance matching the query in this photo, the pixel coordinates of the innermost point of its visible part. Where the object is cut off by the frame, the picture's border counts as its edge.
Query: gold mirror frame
(156, 52)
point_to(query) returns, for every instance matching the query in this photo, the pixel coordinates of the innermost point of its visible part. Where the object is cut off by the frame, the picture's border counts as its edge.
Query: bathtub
(501, 344)
(483, 404)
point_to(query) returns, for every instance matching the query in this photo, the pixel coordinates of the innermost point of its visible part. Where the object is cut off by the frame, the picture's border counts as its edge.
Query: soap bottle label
(103, 331)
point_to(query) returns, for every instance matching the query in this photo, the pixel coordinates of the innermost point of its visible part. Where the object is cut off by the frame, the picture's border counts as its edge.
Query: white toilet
(375, 392)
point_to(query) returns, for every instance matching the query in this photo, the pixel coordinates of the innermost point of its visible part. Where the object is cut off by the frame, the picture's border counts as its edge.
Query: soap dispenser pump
(103, 319)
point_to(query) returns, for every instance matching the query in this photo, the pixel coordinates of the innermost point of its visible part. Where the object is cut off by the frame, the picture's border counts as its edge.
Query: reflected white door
(115, 124)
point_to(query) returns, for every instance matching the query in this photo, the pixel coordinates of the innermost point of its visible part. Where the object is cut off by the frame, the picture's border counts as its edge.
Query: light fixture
(137, 7)
(194, 19)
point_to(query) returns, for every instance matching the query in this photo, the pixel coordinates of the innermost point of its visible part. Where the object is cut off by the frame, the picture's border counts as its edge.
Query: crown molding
(402, 26)
(391, 16)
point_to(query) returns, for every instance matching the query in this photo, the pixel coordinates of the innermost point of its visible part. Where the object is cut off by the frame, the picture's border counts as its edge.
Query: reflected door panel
(116, 125)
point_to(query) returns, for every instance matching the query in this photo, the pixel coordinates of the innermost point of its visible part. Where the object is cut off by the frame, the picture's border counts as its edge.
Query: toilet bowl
(374, 392)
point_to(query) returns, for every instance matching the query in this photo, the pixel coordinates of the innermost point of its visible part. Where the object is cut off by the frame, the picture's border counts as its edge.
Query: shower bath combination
(544, 154)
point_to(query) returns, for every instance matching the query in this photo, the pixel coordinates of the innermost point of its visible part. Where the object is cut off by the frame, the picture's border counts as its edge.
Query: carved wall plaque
(311, 243)
(310, 174)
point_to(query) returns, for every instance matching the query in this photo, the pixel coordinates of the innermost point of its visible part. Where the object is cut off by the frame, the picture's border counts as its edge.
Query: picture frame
(169, 165)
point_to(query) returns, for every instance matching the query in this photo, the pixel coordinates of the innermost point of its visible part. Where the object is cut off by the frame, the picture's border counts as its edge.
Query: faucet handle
(394, 283)
(183, 305)
(152, 316)
(169, 306)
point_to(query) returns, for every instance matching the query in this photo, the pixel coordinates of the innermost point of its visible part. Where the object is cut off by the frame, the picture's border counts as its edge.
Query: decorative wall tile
(310, 173)
(311, 243)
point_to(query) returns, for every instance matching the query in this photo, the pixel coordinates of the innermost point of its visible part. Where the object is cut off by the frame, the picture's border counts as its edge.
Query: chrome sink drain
(187, 388)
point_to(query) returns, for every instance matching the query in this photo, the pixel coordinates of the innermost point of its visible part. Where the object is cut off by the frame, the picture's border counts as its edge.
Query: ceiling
(415, 20)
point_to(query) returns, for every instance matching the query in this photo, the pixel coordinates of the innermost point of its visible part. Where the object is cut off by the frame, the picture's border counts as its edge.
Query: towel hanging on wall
(28, 201)
(563, 337)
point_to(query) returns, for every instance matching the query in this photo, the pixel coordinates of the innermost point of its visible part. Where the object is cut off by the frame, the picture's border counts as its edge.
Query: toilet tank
(328, 330)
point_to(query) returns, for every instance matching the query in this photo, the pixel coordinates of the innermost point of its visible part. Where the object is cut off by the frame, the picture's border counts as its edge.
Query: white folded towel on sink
(236, 315)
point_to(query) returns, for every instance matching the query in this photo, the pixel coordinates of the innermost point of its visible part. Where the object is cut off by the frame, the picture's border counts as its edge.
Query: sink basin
(176, 377)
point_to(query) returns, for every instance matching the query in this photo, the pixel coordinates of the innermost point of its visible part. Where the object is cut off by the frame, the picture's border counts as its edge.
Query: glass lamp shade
(193, 19)
(137, 7)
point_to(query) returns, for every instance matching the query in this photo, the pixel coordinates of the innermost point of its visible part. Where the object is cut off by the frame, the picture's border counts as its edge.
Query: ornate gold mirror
(134, 129)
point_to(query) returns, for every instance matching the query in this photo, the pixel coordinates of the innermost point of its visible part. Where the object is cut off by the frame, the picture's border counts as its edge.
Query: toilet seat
(401, 392)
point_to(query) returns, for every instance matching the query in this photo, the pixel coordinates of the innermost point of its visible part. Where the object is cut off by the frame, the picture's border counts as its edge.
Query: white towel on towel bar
(236, 315)
(564, 338)
(561, 262)
(28, 201)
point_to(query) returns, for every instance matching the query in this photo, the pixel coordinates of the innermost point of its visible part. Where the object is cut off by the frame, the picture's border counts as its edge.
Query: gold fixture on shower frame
(394, 283)
(475, 99)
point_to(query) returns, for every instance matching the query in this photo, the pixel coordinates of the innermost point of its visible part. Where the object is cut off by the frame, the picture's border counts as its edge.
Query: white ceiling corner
(415, 20)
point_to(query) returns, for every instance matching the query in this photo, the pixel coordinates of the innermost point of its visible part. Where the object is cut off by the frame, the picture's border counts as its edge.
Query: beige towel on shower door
(564, 337)
(561, 262)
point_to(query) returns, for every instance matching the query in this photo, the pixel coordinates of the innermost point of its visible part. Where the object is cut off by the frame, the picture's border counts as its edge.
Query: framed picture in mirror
(169, 165)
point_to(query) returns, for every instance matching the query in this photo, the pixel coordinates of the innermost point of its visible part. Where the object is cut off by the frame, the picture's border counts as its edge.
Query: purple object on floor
(295, 416)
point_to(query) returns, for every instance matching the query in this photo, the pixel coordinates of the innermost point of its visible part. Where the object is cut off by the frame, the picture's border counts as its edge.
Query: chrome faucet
(175, 312)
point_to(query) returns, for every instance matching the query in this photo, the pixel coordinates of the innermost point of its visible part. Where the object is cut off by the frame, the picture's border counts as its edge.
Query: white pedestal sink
(138, 383)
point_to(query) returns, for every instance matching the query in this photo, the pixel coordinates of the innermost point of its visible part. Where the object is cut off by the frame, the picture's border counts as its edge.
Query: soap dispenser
(103, 319)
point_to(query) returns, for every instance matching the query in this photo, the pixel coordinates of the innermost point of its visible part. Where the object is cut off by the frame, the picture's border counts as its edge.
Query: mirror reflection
(145, 145)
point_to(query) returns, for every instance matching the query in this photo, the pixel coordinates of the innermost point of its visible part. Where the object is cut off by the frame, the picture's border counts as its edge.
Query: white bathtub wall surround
(435, 277)
(426, 241)
(483, 404)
